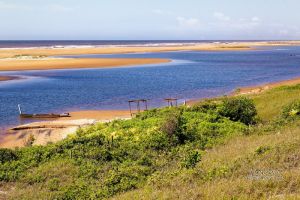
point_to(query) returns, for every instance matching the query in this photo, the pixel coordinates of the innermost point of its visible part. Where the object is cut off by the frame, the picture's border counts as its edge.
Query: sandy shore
(10, 53)
(98, 115)
(255, 89)
(225, 46)
(45, 64)
(45, 132)
(261, 88)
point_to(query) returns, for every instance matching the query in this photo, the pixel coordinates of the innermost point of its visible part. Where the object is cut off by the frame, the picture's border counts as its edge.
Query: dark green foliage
(240, 109)
(7, 155)
(191, 159)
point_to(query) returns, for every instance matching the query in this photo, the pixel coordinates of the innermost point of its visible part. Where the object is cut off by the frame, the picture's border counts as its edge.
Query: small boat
(42, 116)
(51, 115)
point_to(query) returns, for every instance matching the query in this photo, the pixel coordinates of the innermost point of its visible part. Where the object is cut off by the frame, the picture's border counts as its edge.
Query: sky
(149, 19)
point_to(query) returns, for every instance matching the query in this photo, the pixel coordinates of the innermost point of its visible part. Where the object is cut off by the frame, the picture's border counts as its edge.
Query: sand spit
(8, 78)
(46, 64)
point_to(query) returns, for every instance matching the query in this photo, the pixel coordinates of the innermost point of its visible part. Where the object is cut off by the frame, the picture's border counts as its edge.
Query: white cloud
(255, 19)
(190, 22)
(221, 16)
(162, 12)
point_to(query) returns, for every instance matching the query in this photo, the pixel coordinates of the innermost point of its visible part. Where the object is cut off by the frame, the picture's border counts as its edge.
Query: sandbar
(74, 63)
(8, 78)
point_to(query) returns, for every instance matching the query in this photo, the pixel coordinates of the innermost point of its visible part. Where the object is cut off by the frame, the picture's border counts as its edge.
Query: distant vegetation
(24, 56)
(217, 148)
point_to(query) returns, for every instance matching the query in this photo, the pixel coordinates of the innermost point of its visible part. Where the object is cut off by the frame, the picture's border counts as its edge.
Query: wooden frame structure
(172, 102)
(138, 105)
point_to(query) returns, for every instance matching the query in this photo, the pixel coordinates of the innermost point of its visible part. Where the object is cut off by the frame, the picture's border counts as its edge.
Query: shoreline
(252, 90)
(58, 129)
(264, 87)
(9, 78)
(121, 49)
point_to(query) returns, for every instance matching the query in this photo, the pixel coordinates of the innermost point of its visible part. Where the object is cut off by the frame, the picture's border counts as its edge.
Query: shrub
(191, 159)
(205, 106)
(291, 111)
(7, 155)
(262, 149)
(239, 109)
(170, 125)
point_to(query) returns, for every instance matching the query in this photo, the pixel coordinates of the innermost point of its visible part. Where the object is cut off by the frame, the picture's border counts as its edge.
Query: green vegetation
(219, 148)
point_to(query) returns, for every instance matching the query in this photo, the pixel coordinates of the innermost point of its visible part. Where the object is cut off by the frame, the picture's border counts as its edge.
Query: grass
(211, 151)
(270, 103)
(225, 172)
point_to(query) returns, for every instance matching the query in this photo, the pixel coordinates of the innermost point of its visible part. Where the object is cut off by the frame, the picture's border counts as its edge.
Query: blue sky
(149, 19)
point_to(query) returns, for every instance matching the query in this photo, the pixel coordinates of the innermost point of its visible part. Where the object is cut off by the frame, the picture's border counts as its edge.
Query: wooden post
(138, 106)
(146, 104)
(130, 108)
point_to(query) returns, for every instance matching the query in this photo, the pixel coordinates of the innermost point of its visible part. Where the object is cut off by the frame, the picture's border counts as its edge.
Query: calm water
(190, 75)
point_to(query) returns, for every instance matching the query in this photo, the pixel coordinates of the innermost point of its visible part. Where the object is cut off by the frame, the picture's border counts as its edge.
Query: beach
(50, 131)
(59, 51)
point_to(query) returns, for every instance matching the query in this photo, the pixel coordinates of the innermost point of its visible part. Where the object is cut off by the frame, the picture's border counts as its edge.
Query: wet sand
(8, 78)
(98, 115)
(66, 63)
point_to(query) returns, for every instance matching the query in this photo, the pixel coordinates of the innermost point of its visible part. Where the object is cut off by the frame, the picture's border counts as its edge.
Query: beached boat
(51, 115)
(42, 116)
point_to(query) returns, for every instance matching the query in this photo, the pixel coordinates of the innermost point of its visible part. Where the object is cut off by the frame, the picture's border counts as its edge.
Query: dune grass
(270, 103)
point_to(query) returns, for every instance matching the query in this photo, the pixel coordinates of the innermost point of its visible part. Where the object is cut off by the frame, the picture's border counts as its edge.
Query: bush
(262, 149)
(191, 159)
(291, 111)
(7, 155)
(239, 109)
